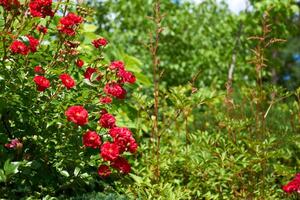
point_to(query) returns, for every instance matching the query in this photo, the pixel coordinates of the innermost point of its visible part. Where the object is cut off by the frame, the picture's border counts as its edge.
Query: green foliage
(188, 44)
(50, 159)
(241, 143)
(198, 38)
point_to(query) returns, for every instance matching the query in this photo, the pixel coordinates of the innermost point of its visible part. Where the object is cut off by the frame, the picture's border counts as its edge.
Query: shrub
(56, 92)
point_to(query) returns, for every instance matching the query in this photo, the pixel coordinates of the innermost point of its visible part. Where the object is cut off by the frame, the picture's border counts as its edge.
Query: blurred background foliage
(203, 38)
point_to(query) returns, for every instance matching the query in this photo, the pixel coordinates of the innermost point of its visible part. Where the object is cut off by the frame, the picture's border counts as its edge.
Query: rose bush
(56, 81)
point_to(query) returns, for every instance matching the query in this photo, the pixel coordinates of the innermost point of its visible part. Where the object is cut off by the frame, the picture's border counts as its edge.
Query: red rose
(104, 171)
(105, 100)
(115, 89)
(14, 144)
(42, 29)
(91, 139)
(293, 185)
(133, 146)
(39, 70)
(123, 139)
(77, 114)
(41, 82)
(18, 47)
(41, 8)
(88, 73)
(126, 76)
(79, 63)
(120, 132)
(101, 42)
(116, 65)
(107, 120)
(33, 43)
(69, 23)
(109, 151)
(103, 111)
(9, 4)
(67, 80)
(122, 165)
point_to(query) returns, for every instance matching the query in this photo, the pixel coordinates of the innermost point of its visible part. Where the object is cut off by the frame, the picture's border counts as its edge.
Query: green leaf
(11, 168)
(137, 179)
(64, 173)
(141, 78)
(90, 27)
(25, 40)
(132, 64)
(76, 171)
(94, 77)
(2, 176)
(88, 82)
(295, 8)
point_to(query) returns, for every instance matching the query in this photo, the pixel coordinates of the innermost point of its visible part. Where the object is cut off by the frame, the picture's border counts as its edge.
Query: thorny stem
(264, 41)
(187, 132)
(259, 62)
(154, 43)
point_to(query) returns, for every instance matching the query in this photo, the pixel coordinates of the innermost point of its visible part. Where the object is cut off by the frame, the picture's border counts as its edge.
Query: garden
(150, 99)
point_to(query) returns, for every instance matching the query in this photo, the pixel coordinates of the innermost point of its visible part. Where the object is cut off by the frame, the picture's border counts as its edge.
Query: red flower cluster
(69, 23)
(42, 29)
(122, 141)
(77, 114)
(103, 111)
(39, 70)
(9, 4)
(126, 76)
(104, 171)
(18, 47)
(123, 138)
(116, 65)
(115, 90)
(67, 80)
(122, 74)
(120, 138)
(33, 43)
(41, 8)
(91, 139)
(101, 42)
(79, 63)
(105, 100)
(88, 73)
(109, 151)
(293, 185)
(14, 144)
(117, 139)
(107, 120)
(42, 83)
(122, 165)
